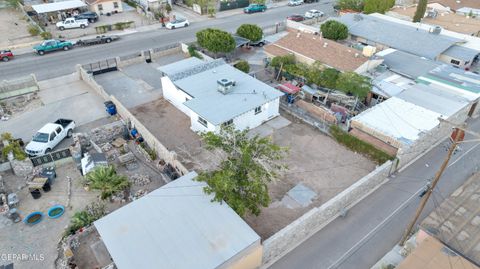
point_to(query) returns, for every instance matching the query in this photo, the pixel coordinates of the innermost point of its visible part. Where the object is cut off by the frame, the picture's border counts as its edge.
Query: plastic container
(47, 187)
(33, 218)
(56, 211)
(36, 193)
(110, 108)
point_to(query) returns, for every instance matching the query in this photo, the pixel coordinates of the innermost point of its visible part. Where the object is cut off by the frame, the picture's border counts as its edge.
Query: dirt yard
(315, 160)
(14, 29)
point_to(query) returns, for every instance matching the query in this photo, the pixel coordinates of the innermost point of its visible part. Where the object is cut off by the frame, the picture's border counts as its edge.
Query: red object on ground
(6, 55)
(461, 134)
(288, 88)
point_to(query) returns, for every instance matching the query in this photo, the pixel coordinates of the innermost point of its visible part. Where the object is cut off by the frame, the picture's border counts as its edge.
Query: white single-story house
(213, 93)
(178, 226)
(105, 6)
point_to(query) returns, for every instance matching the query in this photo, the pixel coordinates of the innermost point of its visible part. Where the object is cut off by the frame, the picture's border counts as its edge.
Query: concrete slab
(278, 123)
(101, 253)
(288, 202)
(302, 194)
(145, 72)
(262, 131)
(130, 91)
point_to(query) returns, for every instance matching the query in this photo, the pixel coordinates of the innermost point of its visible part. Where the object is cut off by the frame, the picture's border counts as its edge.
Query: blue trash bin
(110, 108)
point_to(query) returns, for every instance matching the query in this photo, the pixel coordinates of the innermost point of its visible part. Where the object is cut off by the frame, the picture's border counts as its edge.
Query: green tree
(328, 78)
(106, 179)
(353, 83)
(168, 8)
(242, 178)
(250, 31)
(420, 12)
(216, 40)
(378, 6)
(277, 61)
(334, 30)
(356, 5)
(243, 66)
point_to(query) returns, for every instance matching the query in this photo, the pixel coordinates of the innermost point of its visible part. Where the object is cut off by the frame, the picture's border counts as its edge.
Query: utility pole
(427, 195)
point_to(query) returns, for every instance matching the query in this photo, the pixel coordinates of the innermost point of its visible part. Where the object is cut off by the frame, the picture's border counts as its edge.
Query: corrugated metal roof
(57, 6)
(177, 67)
(399, 119)
(407, 64)
(441, 101)
(200, 82)
(462, 53)
(175, 226)
(399, 36)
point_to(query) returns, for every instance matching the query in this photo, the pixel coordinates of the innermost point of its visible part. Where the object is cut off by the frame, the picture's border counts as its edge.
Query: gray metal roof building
(459, 52)
(407, 64)
(176, 226)
(399, 36)
(200, 82)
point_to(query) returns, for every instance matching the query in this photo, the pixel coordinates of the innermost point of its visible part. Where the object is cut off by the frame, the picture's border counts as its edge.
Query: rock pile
(140, 180)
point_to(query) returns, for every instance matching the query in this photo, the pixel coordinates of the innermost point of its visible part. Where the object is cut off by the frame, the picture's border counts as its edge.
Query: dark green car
(252, 8)
(52, 45)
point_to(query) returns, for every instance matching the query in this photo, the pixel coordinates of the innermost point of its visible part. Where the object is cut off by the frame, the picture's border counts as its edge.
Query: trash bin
(36, 193)
(110, 108)
(46, 187)
(49, 172)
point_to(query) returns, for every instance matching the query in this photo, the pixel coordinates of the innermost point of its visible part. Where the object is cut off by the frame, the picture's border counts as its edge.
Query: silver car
(313, 13)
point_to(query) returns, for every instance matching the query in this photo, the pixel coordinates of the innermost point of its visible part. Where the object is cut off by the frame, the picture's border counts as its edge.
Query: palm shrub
(106, 179)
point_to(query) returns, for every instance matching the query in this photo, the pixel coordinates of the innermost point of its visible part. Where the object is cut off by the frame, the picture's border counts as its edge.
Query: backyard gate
(101, 67)
(51, 157)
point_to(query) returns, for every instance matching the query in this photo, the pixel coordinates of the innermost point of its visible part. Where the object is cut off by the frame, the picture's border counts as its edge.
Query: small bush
(168, 8)
(131, 3)
(192, 51)
(33, 30)
(211, 11)
(359, 146)
(243, 66)
(85, 217)
(46, 35)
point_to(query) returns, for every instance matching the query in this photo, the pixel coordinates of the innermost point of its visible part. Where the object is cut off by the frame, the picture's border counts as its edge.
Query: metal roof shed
(177, 226)
(58, 6)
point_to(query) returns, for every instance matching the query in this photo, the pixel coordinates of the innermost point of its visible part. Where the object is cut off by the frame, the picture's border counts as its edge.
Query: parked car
(295, 2)
(97, 40)
(6, 55)
(296, 17)
(178, 23)
(89, 15)
(252, 8)
(71, 23)
(49, 136)
(259, 43)
(52, 45)
(313, 13)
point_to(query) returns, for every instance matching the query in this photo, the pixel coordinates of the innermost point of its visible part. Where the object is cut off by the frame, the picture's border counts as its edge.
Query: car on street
(295, 2)
(6, 55)
(313, 13)
(177, 23)
(49, 136)
(97, 40)
(89, 15)
(253, 8)
(52, 45)
(71, 23)
(296, 17)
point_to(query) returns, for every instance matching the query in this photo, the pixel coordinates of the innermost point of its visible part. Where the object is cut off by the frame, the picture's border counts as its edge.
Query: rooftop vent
(436, 30)
(225, 85)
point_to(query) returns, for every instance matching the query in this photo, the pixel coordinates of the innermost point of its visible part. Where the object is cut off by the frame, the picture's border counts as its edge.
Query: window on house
(115, 4)
(202, 121)
(228, 123)
(258, 109)
(100, 7)
(455, 62)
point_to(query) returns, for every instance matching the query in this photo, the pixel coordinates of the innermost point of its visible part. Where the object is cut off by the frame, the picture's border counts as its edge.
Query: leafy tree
(105, 179)
(353, 83)
(243, 176)
(86, 217)
(250, 31)
(378, 6)
(277, 61)
(334, 30)
(168, 8)
(192, 50)
(328, 78)
(356, 5)
(420, 12)
(216, 40)
(243, 66)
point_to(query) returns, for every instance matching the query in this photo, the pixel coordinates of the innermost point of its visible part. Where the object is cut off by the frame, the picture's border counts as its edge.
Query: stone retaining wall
(18, 86)
(314, 220)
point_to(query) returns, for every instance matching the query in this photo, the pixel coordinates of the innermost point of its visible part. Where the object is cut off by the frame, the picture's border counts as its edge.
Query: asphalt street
(63, 62)
(375, 225)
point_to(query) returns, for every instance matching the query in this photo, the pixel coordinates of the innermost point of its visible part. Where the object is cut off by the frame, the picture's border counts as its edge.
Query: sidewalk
(228, 13)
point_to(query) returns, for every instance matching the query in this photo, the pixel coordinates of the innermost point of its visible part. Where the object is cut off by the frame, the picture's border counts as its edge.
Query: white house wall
(250, 120)
(175, 96)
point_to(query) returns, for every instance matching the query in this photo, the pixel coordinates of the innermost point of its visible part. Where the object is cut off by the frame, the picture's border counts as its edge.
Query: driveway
(63, 97)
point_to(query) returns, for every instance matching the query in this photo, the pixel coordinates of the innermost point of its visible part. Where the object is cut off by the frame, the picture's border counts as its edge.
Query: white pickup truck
(70, 23)
(49, 136)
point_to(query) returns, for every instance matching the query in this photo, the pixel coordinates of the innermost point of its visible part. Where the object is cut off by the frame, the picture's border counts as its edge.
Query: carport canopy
(58, 6)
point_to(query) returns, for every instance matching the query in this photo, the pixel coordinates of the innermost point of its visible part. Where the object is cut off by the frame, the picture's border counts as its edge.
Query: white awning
(52, 7)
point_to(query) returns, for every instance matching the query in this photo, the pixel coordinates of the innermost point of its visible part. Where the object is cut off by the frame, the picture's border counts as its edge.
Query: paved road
(376, 224)
(62, 63)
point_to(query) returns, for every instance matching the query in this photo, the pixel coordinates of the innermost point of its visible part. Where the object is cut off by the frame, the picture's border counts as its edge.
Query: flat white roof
(176, 226)
(57, 6)
(399, 119)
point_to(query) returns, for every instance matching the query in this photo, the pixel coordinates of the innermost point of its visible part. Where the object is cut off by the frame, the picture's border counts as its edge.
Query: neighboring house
(455, 5)
(178, 226)
(310, 48)
(105, 6)
(215, 94)
(456, 221)
(427, 41)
